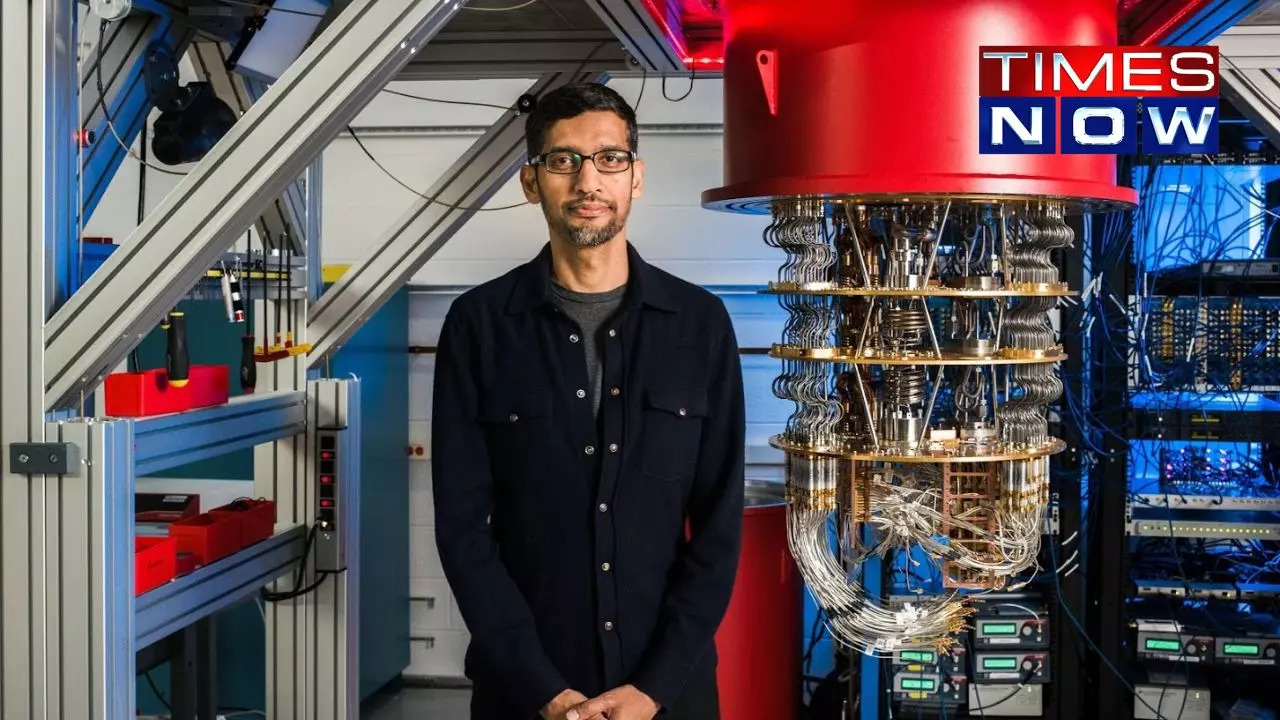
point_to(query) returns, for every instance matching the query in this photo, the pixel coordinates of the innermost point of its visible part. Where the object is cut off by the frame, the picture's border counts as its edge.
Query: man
(587, 447)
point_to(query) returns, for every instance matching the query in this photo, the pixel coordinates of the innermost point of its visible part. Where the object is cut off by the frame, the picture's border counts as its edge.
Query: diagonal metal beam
(1256, 94)
(284, 218)
(1250, 46)
(119, 65)
(657, 43)
(477, 174)
(1185, 22)
(266, 150)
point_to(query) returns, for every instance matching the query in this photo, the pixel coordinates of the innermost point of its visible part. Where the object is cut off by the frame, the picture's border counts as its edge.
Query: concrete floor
(413, 703)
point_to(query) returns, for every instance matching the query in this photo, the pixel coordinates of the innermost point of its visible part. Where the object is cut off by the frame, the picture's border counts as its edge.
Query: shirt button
(605, 567)
(608, 625)
(604, 507)
(573, 337)
(683, 412)
(613, 447)
(582, 393)
(590, 450)
(615, 392)
(613, 333)
(513, 417)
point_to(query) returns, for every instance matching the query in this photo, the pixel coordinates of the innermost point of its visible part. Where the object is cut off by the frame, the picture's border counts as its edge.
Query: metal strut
(267, 149)
(425, 228)
(1255, 93)
(284, 219)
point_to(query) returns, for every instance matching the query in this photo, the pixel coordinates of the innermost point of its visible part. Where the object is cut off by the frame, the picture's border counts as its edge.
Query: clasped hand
(624, 703)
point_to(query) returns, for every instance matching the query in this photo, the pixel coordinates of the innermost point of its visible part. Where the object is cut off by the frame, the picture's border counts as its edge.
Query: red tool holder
(257, 519)
(141, 394)
(155, 562)
(208, 537)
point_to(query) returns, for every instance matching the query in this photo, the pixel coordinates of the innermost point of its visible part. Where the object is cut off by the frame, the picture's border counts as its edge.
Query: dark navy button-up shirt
(587, 552)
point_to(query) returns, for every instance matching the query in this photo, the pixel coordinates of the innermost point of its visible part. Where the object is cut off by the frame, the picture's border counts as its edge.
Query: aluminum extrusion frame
(322, 91)
(37, 82)
(652, 42)
(176, 605)
(123, 63)
(1256, 93)
(246, 421)
(313, 673)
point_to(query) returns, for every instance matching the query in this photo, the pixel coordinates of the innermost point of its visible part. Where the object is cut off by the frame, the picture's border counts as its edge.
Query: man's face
(588, 207)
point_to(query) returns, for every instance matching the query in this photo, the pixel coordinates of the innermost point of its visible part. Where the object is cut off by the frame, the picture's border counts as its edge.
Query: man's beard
(586, 236)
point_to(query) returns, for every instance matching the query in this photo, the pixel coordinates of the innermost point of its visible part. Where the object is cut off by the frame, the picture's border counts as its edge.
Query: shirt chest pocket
(671, 431)
(515, 419)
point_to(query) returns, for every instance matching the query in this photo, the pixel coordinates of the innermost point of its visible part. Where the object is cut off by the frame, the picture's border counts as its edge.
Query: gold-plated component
(1038, 289)
(944, 452)
(879, 321)
(871, 356)
(971, 491)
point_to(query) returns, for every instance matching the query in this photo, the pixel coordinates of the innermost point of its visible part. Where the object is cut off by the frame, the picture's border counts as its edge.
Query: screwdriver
(177, 362)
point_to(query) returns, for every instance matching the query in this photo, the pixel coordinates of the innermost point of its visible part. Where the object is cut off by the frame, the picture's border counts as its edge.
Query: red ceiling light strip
(1161, 23)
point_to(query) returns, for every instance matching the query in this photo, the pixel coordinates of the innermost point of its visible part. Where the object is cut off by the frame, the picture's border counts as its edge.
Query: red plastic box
(155, 562)
(207, 537)
(257, 519)
(146, 393)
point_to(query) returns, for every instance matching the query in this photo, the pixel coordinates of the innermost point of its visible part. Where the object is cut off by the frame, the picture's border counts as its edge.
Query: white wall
(416, 141)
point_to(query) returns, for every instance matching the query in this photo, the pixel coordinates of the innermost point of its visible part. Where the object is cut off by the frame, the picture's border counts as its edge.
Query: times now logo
(1073, 100)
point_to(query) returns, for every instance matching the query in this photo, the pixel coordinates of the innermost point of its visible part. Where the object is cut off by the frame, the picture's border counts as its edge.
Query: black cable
(135, 361)
(644, 78)
(106, 109)
(268, 8)
(142, 173)
(298, 591)
(983, 708)
(693, 72)
(156, 690)
(404, 185)
(507, 8)
(1084, 634)
(424, 98)
(433, 200)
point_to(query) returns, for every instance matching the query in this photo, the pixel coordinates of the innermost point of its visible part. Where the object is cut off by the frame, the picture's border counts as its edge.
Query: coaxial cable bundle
(877, 324)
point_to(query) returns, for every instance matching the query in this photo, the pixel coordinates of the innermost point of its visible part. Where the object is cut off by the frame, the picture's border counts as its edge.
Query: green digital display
(1241, 649)
(999, 628)
(917, 684)
(1163, 645)
(923, 656)
(999, 663)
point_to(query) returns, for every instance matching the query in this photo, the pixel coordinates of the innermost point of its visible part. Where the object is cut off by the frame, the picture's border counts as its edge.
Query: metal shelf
(209, 589)
(167, 441)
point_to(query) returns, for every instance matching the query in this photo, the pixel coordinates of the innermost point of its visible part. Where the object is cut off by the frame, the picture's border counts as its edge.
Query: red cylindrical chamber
(877, 98)
(759, 641)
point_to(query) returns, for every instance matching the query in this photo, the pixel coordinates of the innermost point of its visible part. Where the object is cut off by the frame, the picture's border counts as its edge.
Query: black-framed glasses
(567, 162)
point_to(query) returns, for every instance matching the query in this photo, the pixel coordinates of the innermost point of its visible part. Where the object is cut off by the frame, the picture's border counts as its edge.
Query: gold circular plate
(1004, 356)
(832, 290)
(945, 452)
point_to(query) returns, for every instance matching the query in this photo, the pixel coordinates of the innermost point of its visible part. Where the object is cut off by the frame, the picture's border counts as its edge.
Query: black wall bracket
(55, 458)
